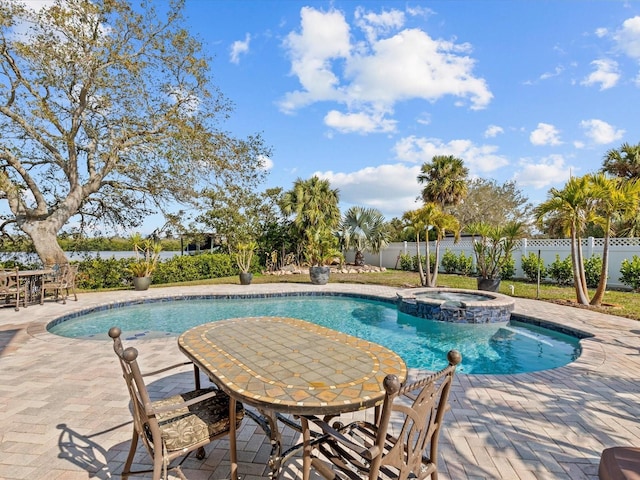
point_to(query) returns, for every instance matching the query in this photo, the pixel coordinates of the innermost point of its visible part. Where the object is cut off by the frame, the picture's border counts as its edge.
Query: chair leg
(306, 449)
(158, 463)
(132, 453)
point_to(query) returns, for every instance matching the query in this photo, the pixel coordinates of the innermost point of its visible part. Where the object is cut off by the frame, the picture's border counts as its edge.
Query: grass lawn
(624, 304)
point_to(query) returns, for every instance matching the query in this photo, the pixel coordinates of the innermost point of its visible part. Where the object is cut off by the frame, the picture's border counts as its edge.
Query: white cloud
(606, 74)
(374, 24)
(424, 119)
(323, 37)
(551, 170)
(392, 189)
(477, 158)
(239, 48)
(628, 37)
(358, 122)
(557, 71)
(600, 132)
(601, 32)
(384, 68)
(412, 65)
(493, 131)
(545, 134)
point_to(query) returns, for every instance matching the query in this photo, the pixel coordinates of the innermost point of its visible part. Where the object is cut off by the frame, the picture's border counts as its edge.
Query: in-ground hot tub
(456, 305)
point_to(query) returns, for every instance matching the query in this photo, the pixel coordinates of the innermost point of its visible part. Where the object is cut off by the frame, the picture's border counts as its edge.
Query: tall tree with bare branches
(107, 114)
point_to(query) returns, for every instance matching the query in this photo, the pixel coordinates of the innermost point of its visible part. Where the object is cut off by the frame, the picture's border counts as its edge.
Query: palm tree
(446, 180)
(415, 224)
(430, 217)
(314, 206)
(615, 198)
(364, 229)
(624, 162)
(442, 224)
(573, 207)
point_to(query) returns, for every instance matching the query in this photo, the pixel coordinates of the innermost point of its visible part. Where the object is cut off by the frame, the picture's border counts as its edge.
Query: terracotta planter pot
(141, 283)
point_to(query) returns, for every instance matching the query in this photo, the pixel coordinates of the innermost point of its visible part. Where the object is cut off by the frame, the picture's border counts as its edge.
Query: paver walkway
(64, 410)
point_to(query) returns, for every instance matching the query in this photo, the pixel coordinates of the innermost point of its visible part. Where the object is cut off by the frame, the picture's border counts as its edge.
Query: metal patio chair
(363, 450)
(171, 427)
(60, 282)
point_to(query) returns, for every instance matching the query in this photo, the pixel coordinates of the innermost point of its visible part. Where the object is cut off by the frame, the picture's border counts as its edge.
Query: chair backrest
(69, 275)
(65, 274)
(422, 404)
(9, 283)
(144, 418)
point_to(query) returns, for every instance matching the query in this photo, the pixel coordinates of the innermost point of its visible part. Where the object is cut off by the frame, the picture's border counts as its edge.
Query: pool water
(515, 347)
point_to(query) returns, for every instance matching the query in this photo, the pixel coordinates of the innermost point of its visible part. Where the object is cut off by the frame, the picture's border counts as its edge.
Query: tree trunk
(43, 234)
(359, 260)
(583, 277)
(428, 280)
(434, 275)
(576, 258)
(423, 280)
(602, 283)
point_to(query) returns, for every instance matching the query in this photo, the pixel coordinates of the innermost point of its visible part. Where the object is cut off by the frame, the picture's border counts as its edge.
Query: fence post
(523, 253)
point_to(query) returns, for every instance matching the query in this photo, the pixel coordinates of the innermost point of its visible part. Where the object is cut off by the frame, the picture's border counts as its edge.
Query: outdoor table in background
(289, 366)
(32, 280)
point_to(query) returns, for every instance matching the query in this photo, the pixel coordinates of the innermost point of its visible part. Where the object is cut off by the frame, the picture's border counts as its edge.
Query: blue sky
(363, 93)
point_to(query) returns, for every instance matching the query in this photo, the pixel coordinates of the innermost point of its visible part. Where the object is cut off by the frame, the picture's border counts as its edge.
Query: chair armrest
(188, 403)
(162, 370)
(329, 431)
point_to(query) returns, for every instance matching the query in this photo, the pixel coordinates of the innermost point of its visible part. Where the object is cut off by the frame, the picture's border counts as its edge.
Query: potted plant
(320, 250)
(493, 246)
(147, 254)
(243, 256)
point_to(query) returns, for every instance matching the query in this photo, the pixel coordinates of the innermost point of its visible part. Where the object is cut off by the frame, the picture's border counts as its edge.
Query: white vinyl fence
(619, 249)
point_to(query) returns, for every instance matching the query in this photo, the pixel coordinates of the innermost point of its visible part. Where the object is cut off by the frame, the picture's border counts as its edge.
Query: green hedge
(111, 273)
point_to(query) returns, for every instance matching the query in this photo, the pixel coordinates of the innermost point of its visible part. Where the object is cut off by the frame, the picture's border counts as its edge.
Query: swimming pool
(516, 347)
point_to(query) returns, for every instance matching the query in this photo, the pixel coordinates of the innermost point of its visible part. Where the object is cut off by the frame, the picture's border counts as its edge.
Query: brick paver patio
(65, 411)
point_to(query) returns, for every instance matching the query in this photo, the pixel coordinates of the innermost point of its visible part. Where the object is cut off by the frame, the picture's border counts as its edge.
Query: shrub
(561, 271)
(508, 268)
(452, 263)
(465, 264)
(414, 262)
(630, 272)
(406, 262)
(432, 261)
(592, 270)
(530, 265)
(195, 267)
(99, 273)
(449, 262)
(95, 273)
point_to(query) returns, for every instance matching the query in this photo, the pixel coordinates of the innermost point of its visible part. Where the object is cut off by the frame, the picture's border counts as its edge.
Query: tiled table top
(290, 365)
